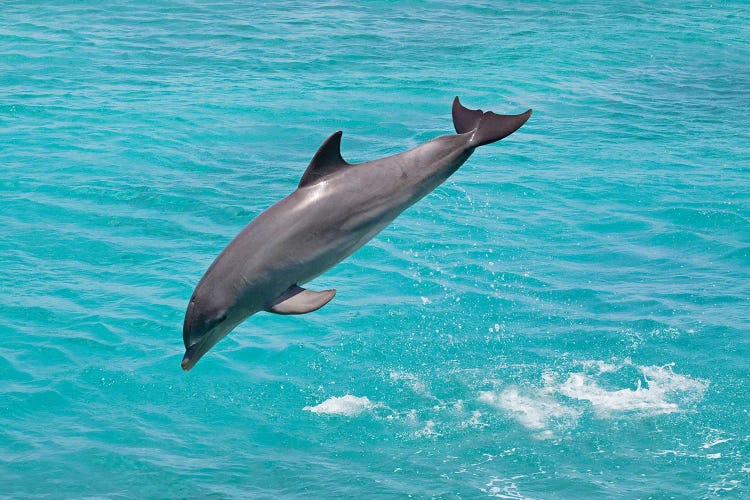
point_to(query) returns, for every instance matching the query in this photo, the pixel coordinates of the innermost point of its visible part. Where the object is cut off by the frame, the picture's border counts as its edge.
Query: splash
(537, 410)
(660, 391)
(345, 405)
(648, 391)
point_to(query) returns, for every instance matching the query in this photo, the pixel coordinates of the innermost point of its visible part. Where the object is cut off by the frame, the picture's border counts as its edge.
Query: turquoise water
(567, 316)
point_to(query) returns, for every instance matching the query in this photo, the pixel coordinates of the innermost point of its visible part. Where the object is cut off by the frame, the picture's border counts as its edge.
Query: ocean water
(566, 317)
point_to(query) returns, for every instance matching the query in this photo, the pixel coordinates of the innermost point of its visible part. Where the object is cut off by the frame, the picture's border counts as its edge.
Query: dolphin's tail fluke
(487, 126)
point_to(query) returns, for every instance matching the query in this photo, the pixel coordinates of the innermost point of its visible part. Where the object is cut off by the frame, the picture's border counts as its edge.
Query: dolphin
(337, 208)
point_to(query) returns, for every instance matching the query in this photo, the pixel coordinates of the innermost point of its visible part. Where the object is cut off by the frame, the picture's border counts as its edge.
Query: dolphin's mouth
(194, 353)
(191, 357)
(218, 330)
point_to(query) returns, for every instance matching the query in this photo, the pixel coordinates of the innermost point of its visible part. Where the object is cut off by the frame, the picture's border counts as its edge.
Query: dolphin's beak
(191, 357)
(196, 351)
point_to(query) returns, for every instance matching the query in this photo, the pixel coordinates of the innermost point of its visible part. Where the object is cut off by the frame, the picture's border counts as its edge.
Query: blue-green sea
(568, 316)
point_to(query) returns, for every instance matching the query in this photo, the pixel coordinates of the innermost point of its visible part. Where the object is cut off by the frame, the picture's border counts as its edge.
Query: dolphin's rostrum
(337, 208)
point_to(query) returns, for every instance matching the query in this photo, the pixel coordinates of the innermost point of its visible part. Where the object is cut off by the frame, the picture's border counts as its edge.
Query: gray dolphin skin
(337, 208)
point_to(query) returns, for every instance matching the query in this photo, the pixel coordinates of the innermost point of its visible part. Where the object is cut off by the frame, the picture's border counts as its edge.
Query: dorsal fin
(327, 160)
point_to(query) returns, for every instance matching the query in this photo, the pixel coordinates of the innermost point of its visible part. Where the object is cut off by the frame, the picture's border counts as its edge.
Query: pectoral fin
(297, 300)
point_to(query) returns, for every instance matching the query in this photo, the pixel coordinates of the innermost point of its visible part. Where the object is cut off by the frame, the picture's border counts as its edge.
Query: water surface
(566, 317)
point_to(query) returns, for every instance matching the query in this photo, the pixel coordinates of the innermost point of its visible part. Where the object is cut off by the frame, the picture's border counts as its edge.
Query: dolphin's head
(206, 323)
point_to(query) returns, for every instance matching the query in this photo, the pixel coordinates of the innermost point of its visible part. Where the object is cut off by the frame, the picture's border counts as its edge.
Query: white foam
(503, 488)
(658, 390)
(536, 411)
(474, 421)
(580, 386)
(428, 431)
(664, 386)
(346, 405)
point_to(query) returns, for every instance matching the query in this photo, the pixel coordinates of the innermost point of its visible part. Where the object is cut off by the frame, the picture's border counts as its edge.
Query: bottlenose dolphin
(337, 208)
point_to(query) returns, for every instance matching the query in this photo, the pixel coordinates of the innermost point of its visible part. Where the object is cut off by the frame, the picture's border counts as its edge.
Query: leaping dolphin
(337, 208)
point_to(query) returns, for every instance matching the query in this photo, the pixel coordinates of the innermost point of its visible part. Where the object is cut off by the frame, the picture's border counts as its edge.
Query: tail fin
(487, 126)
